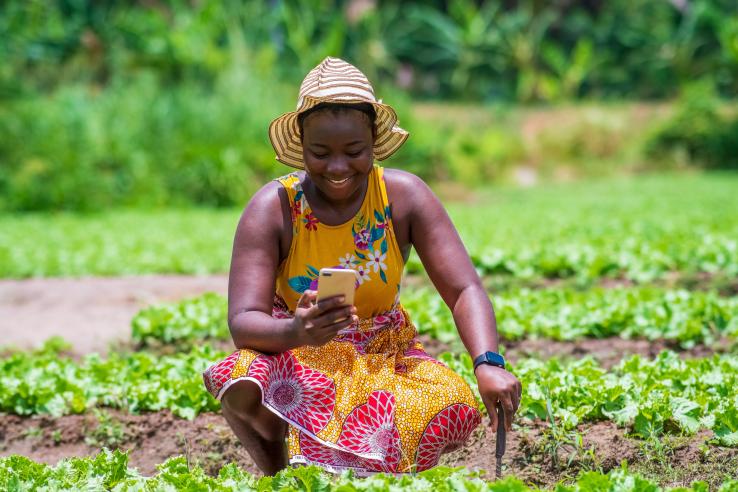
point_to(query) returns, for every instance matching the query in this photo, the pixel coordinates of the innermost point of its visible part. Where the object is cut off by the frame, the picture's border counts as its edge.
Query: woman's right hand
(316, 323)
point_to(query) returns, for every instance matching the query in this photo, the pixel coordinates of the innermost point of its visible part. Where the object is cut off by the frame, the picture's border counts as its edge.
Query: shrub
(699, 132)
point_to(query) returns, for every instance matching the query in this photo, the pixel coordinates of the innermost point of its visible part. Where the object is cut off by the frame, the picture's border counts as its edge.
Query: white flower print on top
(376, 260)
(347, 261)
(362, 274)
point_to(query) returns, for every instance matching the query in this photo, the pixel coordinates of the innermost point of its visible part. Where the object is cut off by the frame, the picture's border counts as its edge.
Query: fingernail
(341, 298)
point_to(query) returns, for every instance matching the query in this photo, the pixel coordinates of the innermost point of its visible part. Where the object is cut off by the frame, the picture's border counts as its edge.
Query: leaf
(300, 283)
(382, 276)
(686, 413)
(379, 217)
(377, 233)
(383, 246)
(360, 255)
(314, 272)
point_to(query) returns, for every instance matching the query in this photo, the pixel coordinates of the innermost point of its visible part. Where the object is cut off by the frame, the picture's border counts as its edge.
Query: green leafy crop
(49, 383)
(650, 397)
(109, 471)
(560, 314)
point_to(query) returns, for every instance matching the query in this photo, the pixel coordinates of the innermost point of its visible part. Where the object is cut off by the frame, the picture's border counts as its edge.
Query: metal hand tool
(500, 441)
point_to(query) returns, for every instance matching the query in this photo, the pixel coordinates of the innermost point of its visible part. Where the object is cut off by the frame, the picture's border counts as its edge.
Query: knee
(242, 399)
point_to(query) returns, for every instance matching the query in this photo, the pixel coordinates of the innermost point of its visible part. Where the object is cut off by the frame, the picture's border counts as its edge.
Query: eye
(355, 154)
(319, 156)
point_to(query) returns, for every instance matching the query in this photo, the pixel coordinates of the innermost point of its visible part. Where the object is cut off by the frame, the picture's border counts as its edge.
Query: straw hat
(335, 81)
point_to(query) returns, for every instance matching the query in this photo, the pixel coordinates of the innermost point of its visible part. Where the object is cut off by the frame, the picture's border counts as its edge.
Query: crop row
(636, 259)
(639, 229)
(687, 317)
(650, 397)
(109, 471)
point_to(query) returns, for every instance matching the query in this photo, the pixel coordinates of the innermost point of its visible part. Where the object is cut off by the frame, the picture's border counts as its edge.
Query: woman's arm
(450, 269)
(257, 248)
(251, 281)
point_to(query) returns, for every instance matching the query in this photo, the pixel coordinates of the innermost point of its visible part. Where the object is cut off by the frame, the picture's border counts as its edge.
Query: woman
(349, 386)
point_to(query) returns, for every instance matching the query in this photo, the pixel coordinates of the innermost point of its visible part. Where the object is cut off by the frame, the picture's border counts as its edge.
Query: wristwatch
(491, 358)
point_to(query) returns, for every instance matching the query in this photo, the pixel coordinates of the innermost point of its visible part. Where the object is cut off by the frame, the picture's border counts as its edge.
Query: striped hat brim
(284, 132)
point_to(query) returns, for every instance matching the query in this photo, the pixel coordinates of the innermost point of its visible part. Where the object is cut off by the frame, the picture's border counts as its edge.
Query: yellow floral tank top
(365, 243)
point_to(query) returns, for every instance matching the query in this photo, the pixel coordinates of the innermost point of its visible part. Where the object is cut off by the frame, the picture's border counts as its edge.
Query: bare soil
(607, 351)
(152, 438)
(90, 312)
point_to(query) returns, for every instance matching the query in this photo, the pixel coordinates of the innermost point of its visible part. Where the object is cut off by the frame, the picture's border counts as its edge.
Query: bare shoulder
(266, 211)
(406, 190)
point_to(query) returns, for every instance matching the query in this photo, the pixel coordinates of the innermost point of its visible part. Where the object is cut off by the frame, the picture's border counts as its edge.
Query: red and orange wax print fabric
(371, 399)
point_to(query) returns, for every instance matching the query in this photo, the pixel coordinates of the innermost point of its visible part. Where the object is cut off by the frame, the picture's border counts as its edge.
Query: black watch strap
(491, 358)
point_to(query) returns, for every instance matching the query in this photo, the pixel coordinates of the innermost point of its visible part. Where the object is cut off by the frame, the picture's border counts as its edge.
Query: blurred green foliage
(136, 144)
(167, 103)
(698, 131)
(525, 50)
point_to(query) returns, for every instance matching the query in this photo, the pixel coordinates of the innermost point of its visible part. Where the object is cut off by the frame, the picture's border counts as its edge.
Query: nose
(337, 166)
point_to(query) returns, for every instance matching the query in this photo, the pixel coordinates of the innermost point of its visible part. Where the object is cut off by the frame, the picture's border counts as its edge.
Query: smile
(338, 181)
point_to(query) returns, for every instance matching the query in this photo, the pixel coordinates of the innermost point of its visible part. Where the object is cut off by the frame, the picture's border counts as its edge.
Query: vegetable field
(616, 301)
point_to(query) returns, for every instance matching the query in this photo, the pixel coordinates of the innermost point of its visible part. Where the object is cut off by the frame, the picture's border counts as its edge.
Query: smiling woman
(350, 387)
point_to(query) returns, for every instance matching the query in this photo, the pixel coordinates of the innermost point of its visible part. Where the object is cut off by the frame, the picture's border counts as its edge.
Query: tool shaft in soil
(500, 441)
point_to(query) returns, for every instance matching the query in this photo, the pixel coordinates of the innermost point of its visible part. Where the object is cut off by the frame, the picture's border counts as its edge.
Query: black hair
(337, 108)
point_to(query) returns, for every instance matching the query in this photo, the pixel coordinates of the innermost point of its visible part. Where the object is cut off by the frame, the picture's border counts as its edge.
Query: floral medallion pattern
(368, 430)
(303, 395)
(217, 375)
(447, 431)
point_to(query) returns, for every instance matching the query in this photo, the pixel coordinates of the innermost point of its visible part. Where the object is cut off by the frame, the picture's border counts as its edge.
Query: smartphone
(337, 281)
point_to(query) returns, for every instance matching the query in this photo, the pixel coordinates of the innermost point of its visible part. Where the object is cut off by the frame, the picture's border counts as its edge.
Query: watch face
(495, 359)
(491, 358)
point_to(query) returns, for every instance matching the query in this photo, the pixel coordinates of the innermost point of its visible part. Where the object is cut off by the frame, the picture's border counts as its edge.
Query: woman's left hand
(496, 385)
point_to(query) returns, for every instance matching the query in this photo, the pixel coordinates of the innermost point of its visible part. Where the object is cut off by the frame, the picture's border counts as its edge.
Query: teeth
(338, 181)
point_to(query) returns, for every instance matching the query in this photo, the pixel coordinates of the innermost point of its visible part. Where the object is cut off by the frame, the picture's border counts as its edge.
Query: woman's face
(338, 152)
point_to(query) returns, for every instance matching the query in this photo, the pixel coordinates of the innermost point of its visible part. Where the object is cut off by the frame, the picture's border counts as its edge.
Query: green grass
(640, 228)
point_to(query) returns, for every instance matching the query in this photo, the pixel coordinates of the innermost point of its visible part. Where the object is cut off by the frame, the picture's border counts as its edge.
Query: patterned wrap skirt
(371, 400)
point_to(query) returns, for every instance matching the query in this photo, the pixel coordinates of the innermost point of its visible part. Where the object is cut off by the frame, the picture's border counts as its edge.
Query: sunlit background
(157, 103)
(587, 152)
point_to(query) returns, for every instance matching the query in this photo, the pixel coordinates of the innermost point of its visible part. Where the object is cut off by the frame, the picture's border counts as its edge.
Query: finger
(507, 405)
(306, 299)
(325, 334)
(334, 315)
(492, 411)
(331, 302)
(516, 403)
(331, 329)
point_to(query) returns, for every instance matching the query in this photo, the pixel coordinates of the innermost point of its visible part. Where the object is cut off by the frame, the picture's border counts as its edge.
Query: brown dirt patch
(89, 312)
(150, 438)
(703, 281)
(153, 437)
(607, 351)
